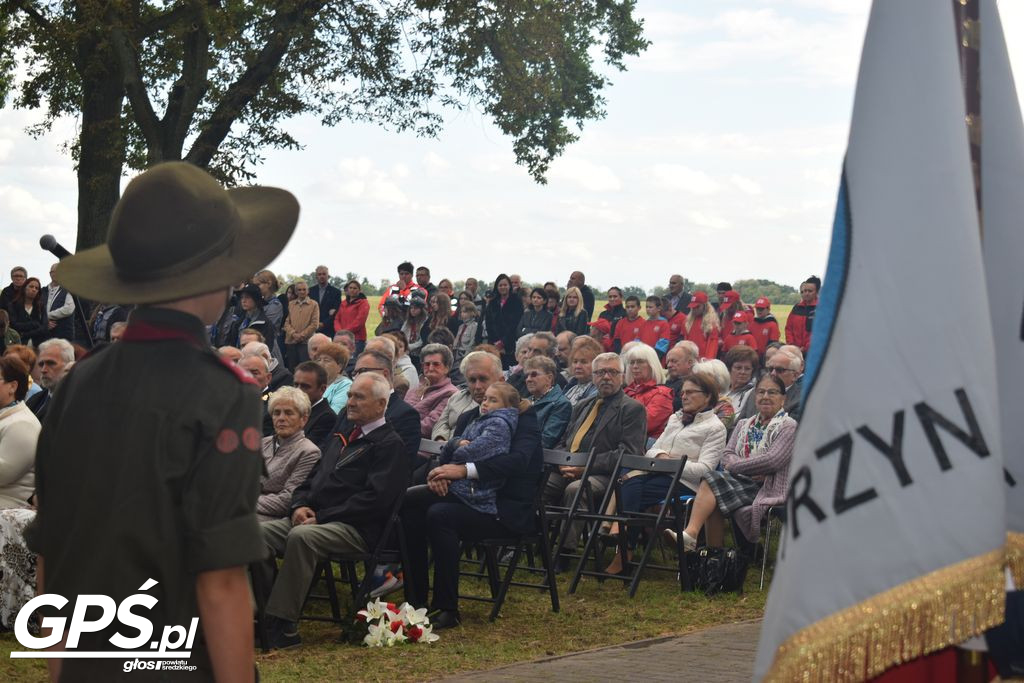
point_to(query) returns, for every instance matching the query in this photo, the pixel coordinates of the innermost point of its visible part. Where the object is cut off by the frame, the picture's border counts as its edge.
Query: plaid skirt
(732, 491)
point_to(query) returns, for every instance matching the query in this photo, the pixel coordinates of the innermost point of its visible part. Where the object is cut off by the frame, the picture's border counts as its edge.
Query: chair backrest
(553, 458)
(430, 448)
(654, 465)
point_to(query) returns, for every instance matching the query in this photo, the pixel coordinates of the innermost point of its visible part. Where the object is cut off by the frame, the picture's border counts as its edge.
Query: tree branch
(46, 27)
(213, 131)
(162, 20)
(187, 92)
(145, 117)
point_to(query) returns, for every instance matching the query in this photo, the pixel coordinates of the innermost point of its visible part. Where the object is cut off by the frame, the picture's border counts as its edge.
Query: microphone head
(48, 242)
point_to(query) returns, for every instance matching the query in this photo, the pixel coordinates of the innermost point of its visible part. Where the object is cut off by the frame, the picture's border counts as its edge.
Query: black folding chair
(655, 522)
(561, 517)
(491, 548)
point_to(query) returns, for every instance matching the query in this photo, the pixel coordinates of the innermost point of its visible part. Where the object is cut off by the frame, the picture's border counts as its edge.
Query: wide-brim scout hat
(176, 232)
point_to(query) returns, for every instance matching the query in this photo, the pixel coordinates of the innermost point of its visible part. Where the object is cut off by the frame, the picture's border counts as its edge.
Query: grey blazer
(622, 422)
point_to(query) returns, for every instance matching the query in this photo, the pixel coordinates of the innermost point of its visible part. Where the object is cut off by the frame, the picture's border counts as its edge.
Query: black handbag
(717, 570)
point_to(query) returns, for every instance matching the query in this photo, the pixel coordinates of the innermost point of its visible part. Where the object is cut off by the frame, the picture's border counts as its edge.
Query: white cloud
(684, 179)
(586, 174)
(435, 163)
(708, 220)
(747, 185)
(361, 181)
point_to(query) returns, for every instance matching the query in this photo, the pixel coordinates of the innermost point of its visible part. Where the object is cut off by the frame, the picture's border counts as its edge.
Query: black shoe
(563, 564)
(444, 618)
(283, 634)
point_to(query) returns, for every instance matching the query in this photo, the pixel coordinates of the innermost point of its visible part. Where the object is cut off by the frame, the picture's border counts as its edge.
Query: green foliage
(750, 290)
(220, 79)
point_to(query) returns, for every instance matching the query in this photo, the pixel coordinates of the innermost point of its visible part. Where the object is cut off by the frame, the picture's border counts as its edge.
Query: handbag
(717, 570)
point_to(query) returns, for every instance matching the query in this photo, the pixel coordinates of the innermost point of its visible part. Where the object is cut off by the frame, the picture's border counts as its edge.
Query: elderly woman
(581, 355)
(403, 363)
(552, 407)
(288, 456)
(435, 388)
(716, 371)
(645, 383)
(333, 358)
(741, 362)
(694, 434)
(573, 317)
(755, 470)
(19, 431)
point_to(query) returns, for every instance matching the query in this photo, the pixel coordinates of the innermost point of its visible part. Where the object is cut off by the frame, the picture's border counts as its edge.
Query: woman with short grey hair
(435, 387)
(288, 455)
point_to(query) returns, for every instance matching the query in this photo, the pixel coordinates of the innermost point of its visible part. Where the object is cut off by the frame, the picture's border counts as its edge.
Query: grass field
(781, 314)
(597, 615)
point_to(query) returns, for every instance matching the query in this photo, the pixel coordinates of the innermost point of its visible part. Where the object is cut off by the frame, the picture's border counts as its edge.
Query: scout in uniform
(153, 472)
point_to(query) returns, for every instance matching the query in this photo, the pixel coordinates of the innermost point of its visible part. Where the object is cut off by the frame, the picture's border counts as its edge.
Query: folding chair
(490, 548)
(561, 517)
(774, 516)
(632, 570)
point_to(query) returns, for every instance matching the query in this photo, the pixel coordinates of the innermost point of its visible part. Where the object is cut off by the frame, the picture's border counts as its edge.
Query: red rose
(392, 608)
(360, 617)
(414, 633)
(395, 625)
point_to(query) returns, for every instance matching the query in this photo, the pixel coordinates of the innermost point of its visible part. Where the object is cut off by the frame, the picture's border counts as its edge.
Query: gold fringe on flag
(926, 614)
(1015, 557)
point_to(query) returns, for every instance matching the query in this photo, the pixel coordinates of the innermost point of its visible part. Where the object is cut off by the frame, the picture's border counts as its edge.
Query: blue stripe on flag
(833, 291)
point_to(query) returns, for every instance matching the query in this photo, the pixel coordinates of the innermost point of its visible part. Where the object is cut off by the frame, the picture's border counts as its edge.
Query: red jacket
(626, 331)
(676, 328)
(708, 345)
(764, 330)
(352, 315)
(653, 331)
(745, 339)
(800, 324)
(657, 402)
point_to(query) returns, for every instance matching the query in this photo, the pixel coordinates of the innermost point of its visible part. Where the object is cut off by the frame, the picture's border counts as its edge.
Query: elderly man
(18, 277)
(279, 375)
(578, 279)
(677, 297)
(680, 360)
(432, 517)
(540, 344)
(400, 415)
(232, 353)
(315, 342)
(54, 356)
(259, 369)
(789, 369)
(603, 423)
(327, 298)
(563, 344)
(300, 324)
(473, 288)
(341, 507)
(60, 307)
(423, 280)
(311, 378)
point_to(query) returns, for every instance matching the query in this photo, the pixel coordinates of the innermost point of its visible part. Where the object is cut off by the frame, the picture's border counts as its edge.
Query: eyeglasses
(691, 392)
(360, 371)
(768, 392)
(607, 373)
(535, 373)
(778, 371)
(432, 364)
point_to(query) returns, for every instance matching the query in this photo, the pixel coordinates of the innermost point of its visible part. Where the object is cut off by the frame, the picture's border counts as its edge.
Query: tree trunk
(101, 140)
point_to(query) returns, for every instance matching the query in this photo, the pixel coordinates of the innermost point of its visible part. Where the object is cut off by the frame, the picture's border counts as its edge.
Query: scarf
(756, 438)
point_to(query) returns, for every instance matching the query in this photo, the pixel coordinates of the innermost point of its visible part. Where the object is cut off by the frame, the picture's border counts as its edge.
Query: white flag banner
(894, 537)
(1002, 196)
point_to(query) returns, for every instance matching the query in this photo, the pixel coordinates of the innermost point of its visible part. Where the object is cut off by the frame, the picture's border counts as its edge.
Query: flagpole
(968, 38)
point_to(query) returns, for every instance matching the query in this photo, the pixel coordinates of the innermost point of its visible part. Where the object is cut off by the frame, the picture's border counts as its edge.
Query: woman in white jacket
(694, 433)
(19, 431)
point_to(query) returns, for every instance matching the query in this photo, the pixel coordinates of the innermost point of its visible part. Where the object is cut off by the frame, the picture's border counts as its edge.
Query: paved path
(722, 654)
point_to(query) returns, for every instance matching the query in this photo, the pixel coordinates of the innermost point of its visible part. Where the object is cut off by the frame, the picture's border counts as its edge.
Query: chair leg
(767, 549)
(592, 538)
(259, 591)
(353, 581)
(499, 599)
(332, 591)
(638, 569)
(545, 556)
(490, 561)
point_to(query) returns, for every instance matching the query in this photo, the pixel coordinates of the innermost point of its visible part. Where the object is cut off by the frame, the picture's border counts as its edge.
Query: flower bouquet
(388, 625)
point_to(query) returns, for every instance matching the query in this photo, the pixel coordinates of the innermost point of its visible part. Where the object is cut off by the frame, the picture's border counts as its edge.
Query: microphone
(50, 244)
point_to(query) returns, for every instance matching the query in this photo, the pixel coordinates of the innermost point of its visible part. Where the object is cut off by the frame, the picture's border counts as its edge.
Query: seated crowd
(497, 376)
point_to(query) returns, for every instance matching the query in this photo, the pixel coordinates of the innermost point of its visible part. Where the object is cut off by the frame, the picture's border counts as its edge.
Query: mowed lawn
(780, 312)
(597, 615)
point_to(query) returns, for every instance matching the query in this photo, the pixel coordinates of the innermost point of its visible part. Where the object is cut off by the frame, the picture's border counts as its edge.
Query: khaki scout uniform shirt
(148, 467)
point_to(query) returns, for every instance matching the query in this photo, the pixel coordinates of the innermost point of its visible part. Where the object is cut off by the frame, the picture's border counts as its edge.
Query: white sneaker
(689, 542)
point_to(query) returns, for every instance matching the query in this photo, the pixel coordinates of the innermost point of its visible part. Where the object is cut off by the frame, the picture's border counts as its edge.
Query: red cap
(763, 302)
(739, 317)
(698, 299)
(728, 298)
(603, 325)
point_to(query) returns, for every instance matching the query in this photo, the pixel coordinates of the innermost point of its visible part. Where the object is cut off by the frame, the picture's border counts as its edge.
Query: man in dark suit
(579, 280)
(400, 415)
(432, 517)
(54, 356)
(311, 378)
(606, 422)
(341, 507)
(678, 298)
(328, 297)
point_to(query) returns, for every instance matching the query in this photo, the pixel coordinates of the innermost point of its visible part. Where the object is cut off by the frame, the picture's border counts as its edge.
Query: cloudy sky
(719, 158)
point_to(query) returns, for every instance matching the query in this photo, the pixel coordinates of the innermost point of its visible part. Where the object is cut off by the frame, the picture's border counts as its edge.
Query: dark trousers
(295, 354)
(644, 491)
(442, 523)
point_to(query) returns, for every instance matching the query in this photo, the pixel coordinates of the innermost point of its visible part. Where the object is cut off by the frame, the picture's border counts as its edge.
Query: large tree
(212, 81)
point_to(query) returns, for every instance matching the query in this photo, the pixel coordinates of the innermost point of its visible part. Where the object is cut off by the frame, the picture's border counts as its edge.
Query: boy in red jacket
(655, 329)
(764, 326)
(800, 323)
(740, 335)
(628, 329)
